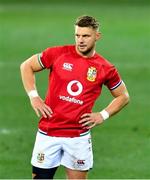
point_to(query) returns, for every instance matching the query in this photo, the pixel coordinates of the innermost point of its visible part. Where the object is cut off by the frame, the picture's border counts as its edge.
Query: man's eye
(86, 36)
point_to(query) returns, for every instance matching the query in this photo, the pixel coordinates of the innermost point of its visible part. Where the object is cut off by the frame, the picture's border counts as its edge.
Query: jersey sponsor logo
(92, 74)
(68, 66)
(69, 99)
(74, 88)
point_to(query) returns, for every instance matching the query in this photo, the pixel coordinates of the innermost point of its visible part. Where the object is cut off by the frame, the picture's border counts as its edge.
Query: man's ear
(98, 36)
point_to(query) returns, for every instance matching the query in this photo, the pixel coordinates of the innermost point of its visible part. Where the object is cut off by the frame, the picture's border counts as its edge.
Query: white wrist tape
(33, 93)
(104, 114)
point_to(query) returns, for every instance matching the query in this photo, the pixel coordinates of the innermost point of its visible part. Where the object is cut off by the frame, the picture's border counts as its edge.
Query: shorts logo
(74, 88)
(40, 157)
(91, 74)
(80, 162)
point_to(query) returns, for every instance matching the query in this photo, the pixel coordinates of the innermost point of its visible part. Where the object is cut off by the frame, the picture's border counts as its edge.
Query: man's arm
(28, 69)
(121, 98)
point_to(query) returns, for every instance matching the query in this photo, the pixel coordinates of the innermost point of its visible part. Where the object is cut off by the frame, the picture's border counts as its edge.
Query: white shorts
(74, 153)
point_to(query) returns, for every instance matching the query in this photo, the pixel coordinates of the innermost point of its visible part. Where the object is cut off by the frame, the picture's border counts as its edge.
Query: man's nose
(81, 40)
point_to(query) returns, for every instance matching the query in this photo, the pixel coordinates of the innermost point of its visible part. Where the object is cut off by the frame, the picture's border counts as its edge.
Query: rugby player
(76, 76)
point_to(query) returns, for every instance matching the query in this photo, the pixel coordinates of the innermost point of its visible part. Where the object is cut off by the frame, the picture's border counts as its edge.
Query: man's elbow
(25, 66)
(22, 66)
(126, 98)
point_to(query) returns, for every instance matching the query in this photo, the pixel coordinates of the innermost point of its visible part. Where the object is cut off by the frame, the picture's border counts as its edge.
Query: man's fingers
(44, 114)
(43, 111)
(47, 112)
(85, 115)
(91, 126)
(84, 120)
(37, 112)
(89, 120)
(87, 123)
(41, 108)
(40, 112)
(49, 109)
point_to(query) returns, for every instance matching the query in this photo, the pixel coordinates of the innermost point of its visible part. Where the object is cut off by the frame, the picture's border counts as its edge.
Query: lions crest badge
(40, 157)
(91, 74)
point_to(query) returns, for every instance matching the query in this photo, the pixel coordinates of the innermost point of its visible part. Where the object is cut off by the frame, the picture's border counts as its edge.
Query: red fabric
(74, 85)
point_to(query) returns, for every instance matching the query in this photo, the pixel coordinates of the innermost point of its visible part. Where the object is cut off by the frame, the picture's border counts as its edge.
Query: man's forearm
(28, 77)
(28, 69)
(117, 104)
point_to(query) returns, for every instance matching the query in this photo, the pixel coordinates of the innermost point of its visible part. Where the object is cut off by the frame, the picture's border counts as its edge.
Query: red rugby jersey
(75, 83)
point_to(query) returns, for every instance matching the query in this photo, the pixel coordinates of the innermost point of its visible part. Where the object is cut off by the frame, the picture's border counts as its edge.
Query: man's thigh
(47, 152)
(76, 174)
(78, 154)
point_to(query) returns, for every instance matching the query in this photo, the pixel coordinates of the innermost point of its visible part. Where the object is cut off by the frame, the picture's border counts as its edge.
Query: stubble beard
(86, 52)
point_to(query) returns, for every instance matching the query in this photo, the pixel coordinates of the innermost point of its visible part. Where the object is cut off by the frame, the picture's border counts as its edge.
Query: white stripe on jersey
(118, 84)
(39, 60)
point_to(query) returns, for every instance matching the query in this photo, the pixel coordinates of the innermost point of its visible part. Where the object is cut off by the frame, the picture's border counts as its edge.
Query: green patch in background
(121, 145)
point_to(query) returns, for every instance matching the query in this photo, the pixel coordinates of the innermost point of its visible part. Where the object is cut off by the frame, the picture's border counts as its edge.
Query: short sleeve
(48, 56)
(113, 79)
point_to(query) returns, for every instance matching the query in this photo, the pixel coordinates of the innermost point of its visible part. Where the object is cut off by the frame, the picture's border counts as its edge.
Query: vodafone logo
(74, 88)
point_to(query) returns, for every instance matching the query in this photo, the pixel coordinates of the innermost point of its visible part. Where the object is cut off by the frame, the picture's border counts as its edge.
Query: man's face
(85, 38)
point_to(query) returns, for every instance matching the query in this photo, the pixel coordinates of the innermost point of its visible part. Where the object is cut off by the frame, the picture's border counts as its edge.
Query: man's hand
(89, 120)
(40, 107)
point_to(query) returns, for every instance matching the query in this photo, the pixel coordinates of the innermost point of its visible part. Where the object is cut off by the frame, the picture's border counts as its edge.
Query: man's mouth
(82, 45)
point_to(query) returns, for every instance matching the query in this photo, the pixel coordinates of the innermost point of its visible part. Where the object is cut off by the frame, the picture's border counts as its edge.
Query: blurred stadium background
(122, 144)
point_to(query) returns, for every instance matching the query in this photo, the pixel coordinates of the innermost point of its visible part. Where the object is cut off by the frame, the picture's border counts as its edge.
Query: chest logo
(74, 88)
(68, 66)
(91, 74)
